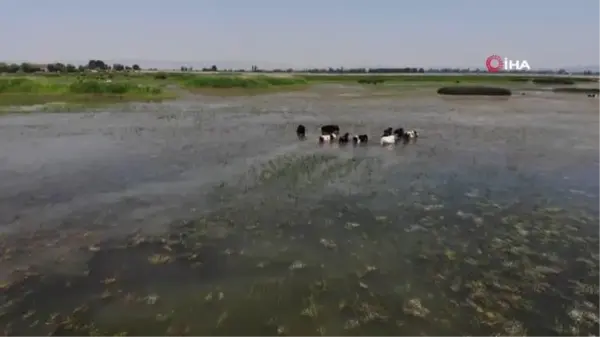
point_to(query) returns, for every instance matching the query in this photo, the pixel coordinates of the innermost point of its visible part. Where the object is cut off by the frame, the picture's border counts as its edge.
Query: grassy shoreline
(33, 90)
(108, 88)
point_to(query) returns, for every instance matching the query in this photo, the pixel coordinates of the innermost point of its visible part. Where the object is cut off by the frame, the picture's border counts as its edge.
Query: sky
(304, 33)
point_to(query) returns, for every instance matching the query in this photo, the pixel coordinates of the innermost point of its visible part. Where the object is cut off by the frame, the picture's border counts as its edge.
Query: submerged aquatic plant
(337, 264)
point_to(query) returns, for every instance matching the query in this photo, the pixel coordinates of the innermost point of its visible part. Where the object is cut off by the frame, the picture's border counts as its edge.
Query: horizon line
(281, 66)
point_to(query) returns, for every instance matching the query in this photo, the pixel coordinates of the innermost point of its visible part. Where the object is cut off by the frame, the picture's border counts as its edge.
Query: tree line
(59, 67)
(99, 65)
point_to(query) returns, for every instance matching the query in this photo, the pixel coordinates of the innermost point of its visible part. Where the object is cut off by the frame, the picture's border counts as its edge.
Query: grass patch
(474, 90)
(370, 81)
(250, 82)
(242, 85)
(551, 81)
(47, 89)
(231, 92)
(110, 88)
(107, 87)
(520, 80)
(577, 90)
(405, 78)
(441, 78)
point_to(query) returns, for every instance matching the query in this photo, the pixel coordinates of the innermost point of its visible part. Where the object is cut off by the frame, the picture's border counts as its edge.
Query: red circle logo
(494, 63)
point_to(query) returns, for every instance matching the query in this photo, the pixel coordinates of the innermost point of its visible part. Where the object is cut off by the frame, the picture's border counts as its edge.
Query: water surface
(209, 216)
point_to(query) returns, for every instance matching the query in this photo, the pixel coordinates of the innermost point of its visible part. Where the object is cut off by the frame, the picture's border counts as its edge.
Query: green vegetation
(266, 82)
(58, 67)
(48, 89)
(253, 82)
(443, 78)
(474, 90)
(278, 269)
(370, 81)
(553, 80)
(577, 90)
(104, 84)
(405, 78)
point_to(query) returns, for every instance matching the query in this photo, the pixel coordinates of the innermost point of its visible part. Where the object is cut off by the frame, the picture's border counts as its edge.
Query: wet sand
(208, 216)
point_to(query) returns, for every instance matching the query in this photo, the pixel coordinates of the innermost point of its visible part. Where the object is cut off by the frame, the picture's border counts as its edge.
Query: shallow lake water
(208, 216)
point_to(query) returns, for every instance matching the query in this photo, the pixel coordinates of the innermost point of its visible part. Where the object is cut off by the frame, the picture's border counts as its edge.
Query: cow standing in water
(344, 139)
(360, 139)
(327, 138)
(301, 132)
(330, 129)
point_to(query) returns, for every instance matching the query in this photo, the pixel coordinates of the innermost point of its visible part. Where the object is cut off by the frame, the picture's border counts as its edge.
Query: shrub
(51, 74)
(474, 90)
(520, 79)
(370, 81)
(240, 82)
(110, 88)
(585, 79)
(160, 76)
(553, 80)
(98, 87)
(577, 90)
(21, 85)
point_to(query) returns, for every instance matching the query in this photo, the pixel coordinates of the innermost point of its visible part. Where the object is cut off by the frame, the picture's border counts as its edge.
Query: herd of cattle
(331, 133)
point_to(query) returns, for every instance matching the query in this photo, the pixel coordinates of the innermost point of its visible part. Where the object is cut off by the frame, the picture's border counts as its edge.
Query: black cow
(329, 129)
(301, 131)
(360, 139)
(344, 139)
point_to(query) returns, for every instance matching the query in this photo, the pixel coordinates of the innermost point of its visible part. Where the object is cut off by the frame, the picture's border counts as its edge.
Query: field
(31, 90)
(205, 215)
(74, 91)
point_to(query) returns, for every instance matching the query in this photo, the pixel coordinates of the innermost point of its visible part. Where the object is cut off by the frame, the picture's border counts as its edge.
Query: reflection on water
(467, 235)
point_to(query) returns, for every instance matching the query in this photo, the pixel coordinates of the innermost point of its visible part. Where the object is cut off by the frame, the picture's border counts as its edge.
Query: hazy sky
(546, 33)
